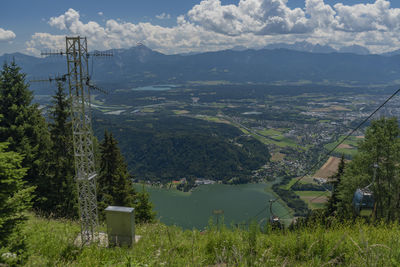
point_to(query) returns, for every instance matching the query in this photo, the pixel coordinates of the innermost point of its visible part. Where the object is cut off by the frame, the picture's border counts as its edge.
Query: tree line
(37, 164)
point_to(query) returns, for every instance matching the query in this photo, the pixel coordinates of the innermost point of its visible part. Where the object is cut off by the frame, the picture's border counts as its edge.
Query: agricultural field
(329, 168)
(348, 147)
(277, 156)
(314, 199)
(276, 137)
(180, 112)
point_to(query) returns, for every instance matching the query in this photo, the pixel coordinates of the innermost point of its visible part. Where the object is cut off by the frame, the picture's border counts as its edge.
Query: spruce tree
(144, 208)
(24, 128)
(14, 201)
(62, 198)
(380, 146)
(331, 206)
(114, 181)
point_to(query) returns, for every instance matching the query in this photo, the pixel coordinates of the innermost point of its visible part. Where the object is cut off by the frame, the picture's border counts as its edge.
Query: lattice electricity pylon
(85, 169)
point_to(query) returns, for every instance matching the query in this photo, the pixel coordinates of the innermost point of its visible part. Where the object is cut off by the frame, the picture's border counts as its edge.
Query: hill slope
(168, 147)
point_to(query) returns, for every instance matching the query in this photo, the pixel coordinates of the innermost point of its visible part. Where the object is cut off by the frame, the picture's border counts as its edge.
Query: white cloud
(43, 41)
(263, 17)
(368, 17)
(100, 13)
(71, 21)
(163, 16)
(6, 35)
(184, 37)
(322, 16)
(210, 25)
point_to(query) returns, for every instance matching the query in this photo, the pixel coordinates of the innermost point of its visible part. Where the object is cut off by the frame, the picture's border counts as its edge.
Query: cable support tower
(78, 80)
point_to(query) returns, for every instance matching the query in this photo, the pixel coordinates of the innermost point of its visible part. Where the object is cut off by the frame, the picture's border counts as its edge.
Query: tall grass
(51, 243)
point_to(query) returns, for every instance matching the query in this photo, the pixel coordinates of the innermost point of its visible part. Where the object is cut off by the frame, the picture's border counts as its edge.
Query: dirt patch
(360, 136)
(339, 108)
(346, 146)
(277, 156)
(329, 168)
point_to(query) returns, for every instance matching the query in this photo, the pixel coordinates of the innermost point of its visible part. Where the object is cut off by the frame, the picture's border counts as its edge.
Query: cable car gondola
(363, 202)
(363, 199)
(274, 220)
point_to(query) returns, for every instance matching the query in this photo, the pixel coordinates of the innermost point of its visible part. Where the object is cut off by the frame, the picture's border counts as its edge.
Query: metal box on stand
(120, 225)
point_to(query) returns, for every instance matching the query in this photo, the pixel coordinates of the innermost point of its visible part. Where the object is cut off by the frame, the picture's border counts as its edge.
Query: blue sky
(175, 26)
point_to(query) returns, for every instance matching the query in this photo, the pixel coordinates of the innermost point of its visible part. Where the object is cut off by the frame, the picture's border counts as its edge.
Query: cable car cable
(255, 216)
(373, 179)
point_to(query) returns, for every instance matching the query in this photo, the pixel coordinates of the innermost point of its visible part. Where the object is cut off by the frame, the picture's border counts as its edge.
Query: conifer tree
(24, 128)
(114, 184)
(62, 198)
(381, 146)
(144, 208)
(14, 201)
(333, 200)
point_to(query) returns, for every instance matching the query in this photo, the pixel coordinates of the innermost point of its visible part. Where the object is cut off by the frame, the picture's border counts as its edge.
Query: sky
(183, 26)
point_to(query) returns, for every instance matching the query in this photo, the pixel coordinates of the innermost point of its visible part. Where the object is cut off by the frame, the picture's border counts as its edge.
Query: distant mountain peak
(305, 46)
(142, 47)
(239, 48)
(392, 53)
(354, 49)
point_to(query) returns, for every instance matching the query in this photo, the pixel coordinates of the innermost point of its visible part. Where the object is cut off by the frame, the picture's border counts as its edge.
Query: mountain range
(317, 48)
(138, 66)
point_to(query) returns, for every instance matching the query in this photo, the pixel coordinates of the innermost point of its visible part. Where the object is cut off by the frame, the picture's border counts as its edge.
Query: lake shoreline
(239, 203)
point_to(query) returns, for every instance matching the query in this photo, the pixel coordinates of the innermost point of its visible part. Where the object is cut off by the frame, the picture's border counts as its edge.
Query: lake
(193, 210)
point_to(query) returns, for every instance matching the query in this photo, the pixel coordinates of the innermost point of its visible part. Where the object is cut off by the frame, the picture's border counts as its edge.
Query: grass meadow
(51, 243)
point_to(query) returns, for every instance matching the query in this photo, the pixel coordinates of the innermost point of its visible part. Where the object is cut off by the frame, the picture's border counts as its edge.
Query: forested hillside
(166, 147)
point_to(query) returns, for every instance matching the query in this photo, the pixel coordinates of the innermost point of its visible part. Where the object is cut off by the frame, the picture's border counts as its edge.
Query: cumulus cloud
(184, 37)
(322, 16)
(210, 25)
(163, 16)
(368, 17)
(6, 35)
(71, 21)
(41, 41)
(100, 13)
(261, 17)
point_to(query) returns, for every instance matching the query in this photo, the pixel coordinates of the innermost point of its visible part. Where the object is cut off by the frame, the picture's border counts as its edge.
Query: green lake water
(193, 210)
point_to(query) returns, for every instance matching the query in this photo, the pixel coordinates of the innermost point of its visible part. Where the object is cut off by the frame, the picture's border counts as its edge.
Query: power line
(347, 136)
(255, 216)
(318, 196)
